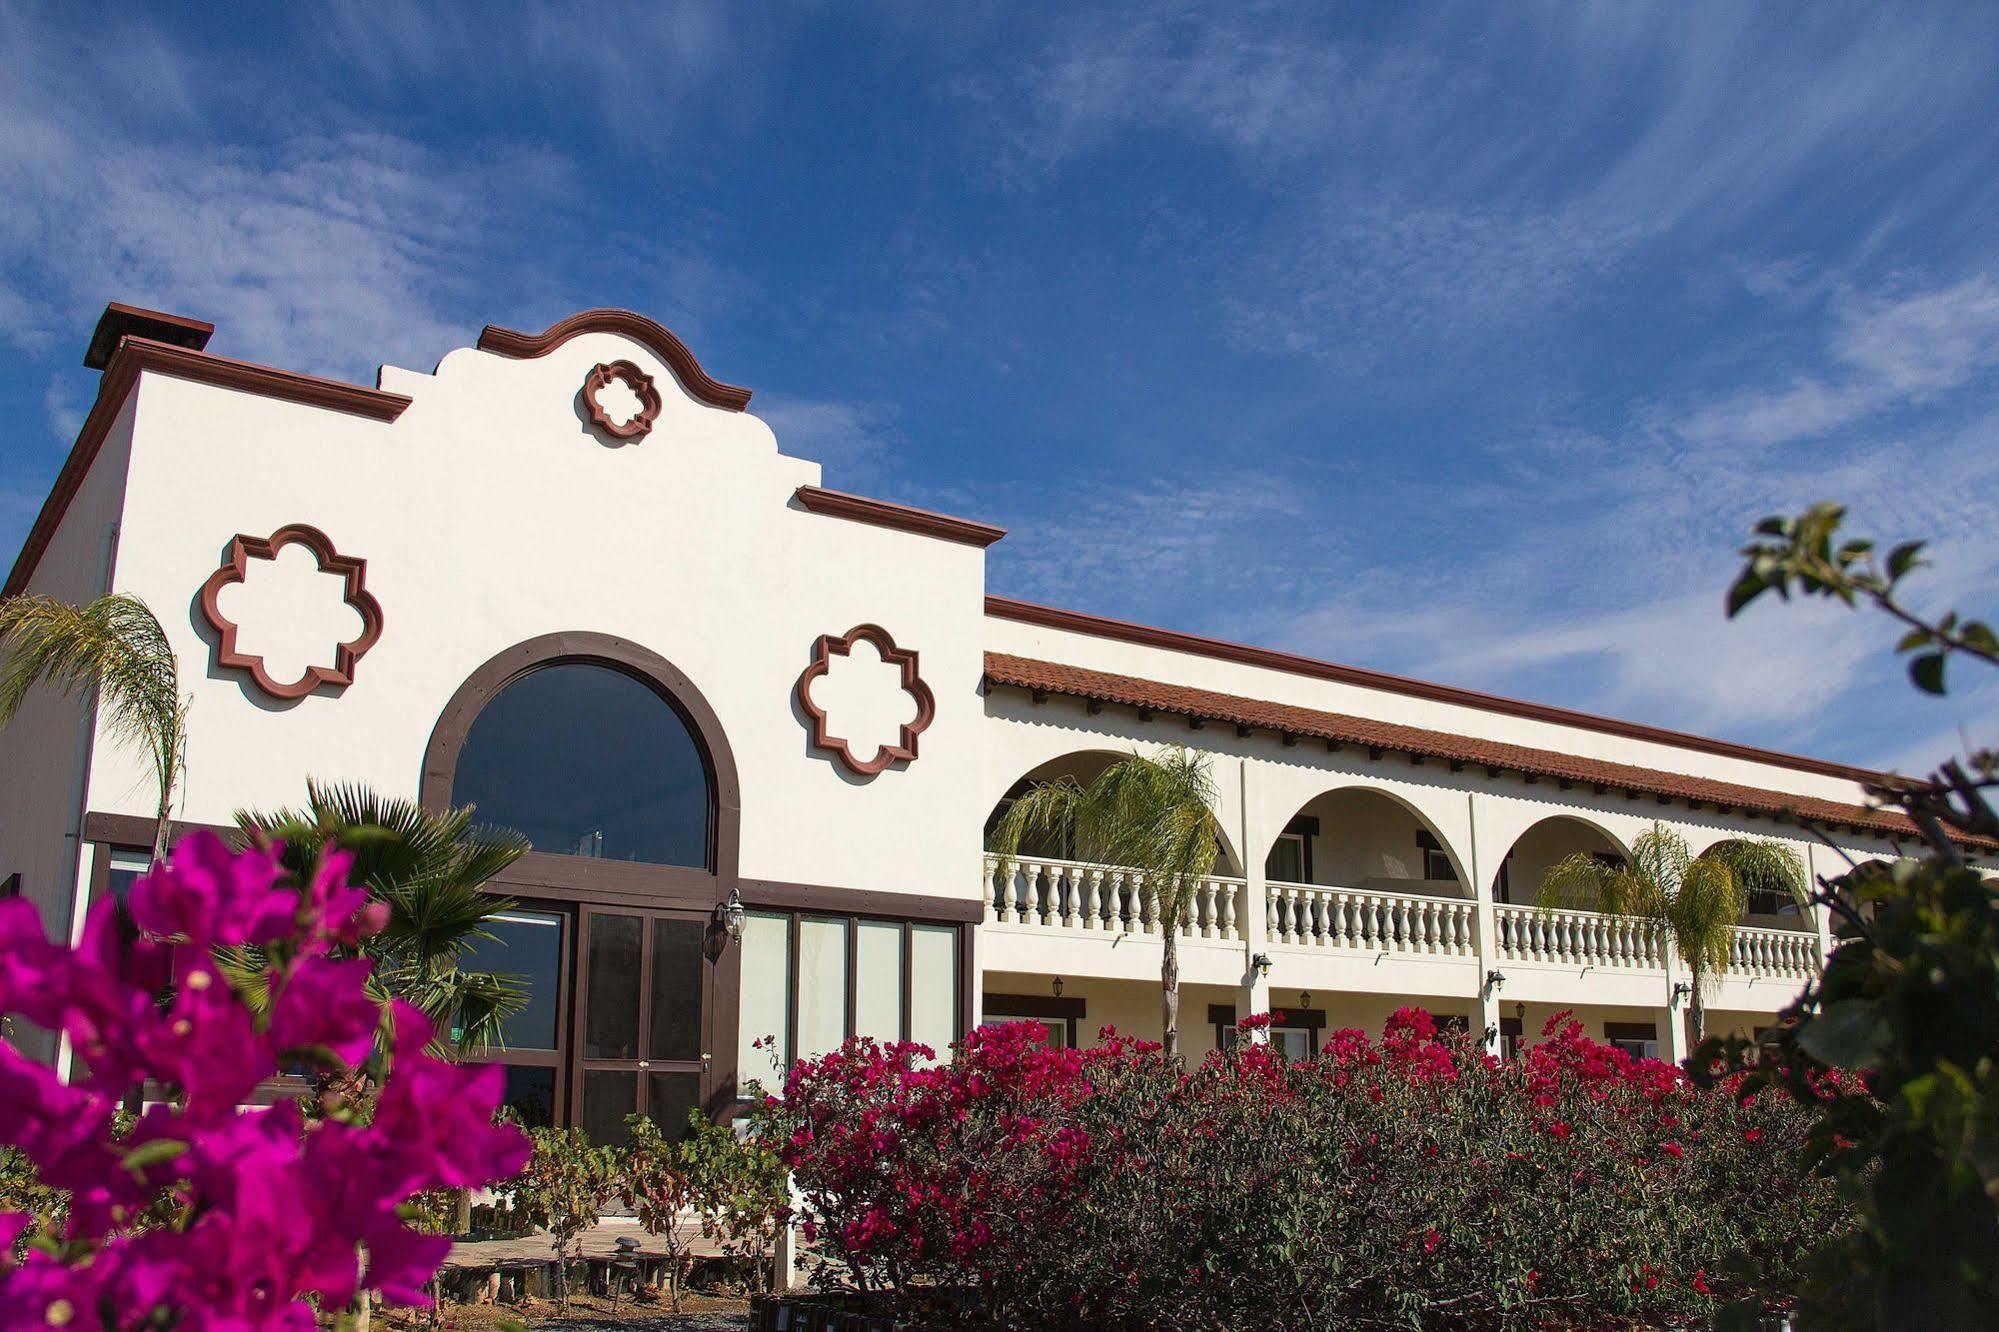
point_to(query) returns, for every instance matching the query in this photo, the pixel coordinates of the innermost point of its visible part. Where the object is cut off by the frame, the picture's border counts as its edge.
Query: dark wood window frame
(1311, 1021)
(1044, 1007)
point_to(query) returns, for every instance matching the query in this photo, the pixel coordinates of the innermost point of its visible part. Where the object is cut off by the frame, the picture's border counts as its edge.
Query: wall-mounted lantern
(732, 915)
(1262, 964)
(1057, 987)
(1494, 980)
(1682, 990)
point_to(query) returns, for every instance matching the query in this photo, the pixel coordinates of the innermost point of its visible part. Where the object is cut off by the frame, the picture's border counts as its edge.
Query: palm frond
(430, 868)
(114, 646)
(1702, 917)
(1763, 867)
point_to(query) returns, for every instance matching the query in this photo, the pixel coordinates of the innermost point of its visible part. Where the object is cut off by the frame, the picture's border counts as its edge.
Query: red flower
(1431, 1239)
(1673, 1149)
(1700, 1281)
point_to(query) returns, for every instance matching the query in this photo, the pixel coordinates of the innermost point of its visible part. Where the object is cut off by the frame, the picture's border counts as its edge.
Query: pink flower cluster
(1416, 1159)
(222, 1216)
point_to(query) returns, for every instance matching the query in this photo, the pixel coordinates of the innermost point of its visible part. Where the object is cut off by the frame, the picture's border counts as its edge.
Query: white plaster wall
(44, 751)
(490, 514)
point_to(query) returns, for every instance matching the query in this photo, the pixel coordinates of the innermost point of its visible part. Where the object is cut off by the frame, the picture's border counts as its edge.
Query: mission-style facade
(571, 578)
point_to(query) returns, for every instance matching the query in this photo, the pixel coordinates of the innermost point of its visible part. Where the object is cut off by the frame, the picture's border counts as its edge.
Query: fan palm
(1696, 900)
(115, 649)
(430, 868)
(1154, 815)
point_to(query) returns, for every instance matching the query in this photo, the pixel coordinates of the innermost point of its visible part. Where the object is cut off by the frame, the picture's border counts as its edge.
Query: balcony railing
(1109, 900)
(1369, 921)
(1578, 938)
(1069, 895)
(1785, 954)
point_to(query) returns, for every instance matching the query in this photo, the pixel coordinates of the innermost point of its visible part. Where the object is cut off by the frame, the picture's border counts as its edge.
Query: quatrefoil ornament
(636, 381)
(353, 573)
(865, 756)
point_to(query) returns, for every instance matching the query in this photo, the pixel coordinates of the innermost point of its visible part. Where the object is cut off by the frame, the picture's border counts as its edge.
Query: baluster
(1228, 911)
(1207, 908)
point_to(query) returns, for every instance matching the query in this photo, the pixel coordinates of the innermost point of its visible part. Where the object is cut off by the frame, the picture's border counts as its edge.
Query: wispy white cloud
(849, 440)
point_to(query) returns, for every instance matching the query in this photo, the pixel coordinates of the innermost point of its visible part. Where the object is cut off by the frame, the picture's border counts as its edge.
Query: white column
(1673, 1036)
(1255, 912)
(1485, 932)
(1821, 918)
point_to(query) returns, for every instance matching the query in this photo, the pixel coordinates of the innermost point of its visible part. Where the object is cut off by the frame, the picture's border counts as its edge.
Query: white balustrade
(1789, 954)
(1317, 915)
(1577, 938)
(1069, 895)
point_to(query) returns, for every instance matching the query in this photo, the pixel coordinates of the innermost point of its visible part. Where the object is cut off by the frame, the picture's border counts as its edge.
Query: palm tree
(115, 649)
(1153, 815)
(1695, 900)
(430, 868)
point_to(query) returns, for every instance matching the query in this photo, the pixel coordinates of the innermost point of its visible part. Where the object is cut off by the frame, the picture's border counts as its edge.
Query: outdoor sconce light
(1057, 987)
(1494, 980)
(1491, 1034)
(1682, 990)
(732, 915)
(1262, 964)
(1304, 998)
(1520, 1012)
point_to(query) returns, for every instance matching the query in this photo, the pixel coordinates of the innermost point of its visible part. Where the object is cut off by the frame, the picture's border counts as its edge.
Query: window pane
(530, 1095)
(822, 986)
(669, 1096)
(878, 980)
(676, 990)
(526, 945)
(585, 760)
(933, 986)
(612, 1013)
(125, 867)
(766, 974)
(1286, 862)
(608, 1096)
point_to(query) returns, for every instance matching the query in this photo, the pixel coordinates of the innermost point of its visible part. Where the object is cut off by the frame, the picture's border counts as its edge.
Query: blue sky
(1460, 340)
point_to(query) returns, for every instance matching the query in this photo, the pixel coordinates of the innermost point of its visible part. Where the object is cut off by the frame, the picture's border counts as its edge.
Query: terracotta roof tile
(1077, 682)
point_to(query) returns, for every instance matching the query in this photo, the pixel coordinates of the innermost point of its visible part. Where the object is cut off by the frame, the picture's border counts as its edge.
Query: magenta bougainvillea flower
(254, 1215)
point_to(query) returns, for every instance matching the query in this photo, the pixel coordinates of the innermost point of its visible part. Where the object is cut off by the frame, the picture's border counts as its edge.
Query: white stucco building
(572, 578)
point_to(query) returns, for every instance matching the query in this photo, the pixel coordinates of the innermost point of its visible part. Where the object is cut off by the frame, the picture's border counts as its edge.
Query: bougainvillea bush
(202, 1214)
(1410, 1181)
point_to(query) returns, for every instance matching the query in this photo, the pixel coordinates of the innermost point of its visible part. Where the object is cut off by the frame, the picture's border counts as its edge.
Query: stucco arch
(1084, 763)
(1351, 791)
(1545, 839)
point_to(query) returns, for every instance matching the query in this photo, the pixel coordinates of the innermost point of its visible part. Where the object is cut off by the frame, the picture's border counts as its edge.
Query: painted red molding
(904, 659)
(120, 320)
(642, 387)
(236, 565)
(1173, 640)
(901, 517)
(135, 356)
(653, 336)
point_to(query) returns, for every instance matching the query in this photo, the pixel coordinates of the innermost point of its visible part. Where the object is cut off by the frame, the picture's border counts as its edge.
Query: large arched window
(587, 760)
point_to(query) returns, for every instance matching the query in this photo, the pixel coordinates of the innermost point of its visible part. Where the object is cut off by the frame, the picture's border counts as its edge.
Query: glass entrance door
(641, 1028)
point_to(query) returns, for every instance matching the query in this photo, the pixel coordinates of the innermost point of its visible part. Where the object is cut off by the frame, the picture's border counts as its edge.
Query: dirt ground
(698, 1313)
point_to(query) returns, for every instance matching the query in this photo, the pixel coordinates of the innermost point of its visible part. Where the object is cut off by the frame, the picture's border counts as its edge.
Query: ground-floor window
(533, 946)
(1294, 1031)
(811, 980)
(1062, 1019)
(1640, 1040)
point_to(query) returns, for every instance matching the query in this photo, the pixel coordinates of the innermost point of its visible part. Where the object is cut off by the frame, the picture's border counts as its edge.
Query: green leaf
(1914, 639)
(157, 1152)
(1927, 672)
(1851, 1033)
(1747, 588)
(1978, 636)
(1904, 558)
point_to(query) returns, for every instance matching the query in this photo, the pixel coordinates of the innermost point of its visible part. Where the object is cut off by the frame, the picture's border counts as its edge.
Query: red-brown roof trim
(901, 517)
(1045, 677)
(648, 333)
(1097, 626)
(135, 356)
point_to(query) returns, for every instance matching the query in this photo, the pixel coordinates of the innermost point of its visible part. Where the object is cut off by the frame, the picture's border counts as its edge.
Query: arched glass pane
(587, 761)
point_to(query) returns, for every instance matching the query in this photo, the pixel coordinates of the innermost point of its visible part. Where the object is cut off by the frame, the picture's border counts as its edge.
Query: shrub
(563, 1189)
(1409, 1181)
(202, 1213)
